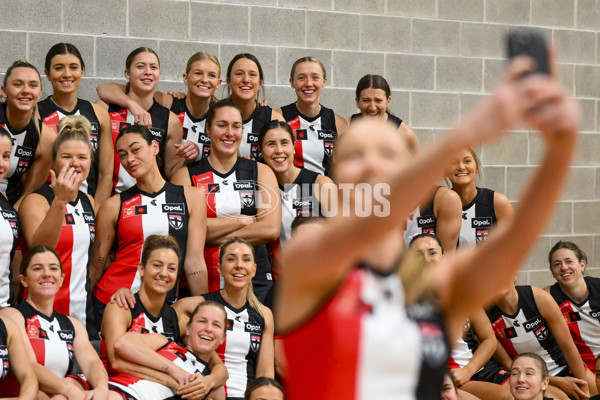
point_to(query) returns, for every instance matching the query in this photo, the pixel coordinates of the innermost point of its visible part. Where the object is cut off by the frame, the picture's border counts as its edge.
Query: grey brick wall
(440, 57)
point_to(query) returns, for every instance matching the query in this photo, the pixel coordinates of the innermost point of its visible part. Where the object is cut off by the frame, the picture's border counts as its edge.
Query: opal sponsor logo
(252, 327)
(243, 185)
(173, 208)
(9, 215)
(425, 221)
(326, 135)
(24, 152)
(66, 335)
(481, 222)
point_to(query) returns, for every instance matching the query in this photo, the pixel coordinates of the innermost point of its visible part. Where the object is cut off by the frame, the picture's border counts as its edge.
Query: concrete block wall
(440, 56)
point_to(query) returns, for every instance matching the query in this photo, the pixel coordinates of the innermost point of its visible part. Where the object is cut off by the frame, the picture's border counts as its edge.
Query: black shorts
(492, 372)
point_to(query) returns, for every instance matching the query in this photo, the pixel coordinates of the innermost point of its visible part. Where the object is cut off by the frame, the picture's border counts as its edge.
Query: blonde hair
(35, 115)
(417, 279)
(307, 59)
(73, 127)
(250, 296)
(199, 56)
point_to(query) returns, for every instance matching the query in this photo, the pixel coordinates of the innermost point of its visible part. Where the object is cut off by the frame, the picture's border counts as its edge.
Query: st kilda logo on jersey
(537, 325)
(246, 190)
(255, 342)
(22, 167)
(175, 221)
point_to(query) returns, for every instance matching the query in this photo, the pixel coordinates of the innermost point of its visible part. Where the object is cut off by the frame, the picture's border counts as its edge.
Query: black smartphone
(531, 44)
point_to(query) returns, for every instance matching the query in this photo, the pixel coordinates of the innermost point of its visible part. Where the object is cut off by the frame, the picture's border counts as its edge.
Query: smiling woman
(59, 215)
(248, 351)
(32, 140)
(64, 68)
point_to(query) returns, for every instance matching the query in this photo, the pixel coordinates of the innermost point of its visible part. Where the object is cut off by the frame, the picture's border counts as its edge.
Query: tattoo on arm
(194, 273)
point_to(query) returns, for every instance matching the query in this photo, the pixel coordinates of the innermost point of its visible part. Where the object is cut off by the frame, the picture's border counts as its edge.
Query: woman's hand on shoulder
(124, 298)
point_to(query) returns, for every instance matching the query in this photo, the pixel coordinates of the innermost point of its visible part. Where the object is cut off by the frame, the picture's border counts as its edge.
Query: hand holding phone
(532, 44)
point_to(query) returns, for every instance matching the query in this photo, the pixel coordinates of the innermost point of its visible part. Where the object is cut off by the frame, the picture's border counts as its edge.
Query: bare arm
(114, 325)
(184, 308)
(277, 115)
(105, 156)
(308, 276)
(20, 365)
(487, 346)
(410, 136)
(550, 311)
(475, 275)
(266, 358)
(49, 382)
(194, 265)
(172, 161)
(42, 222)
(88, 360)
(340, 125)
(448, 215)
(268, 219)
(106, 221)
(38, 173)
(502, 207)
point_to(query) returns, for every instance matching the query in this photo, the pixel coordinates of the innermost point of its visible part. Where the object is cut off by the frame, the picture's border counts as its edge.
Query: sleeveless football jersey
(435, 348)
(4, 361)
(422, 220)
(298, 198)
(141, 389)
(141, 215)
(121, 118)
(390, 118)
(583, 319)
(232, 193)
(251, 127)
(51, 338)
(74, 247)
(51, 114)
(8, 244)
(527, 331)
(241, 347)
(166, 323)
(193, 128)
(315, 137)
(24, 146)
(477, 218)
(464, 348)
(360, 344)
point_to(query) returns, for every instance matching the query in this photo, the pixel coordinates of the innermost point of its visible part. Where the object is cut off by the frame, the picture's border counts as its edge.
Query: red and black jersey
(8, 244)
(583, 319)
(74, 247)
(241, 347)
(121, 118)
(165, 323)
(315, 137)
(140, 389)
(51, 338)
(527, 331)
(51, 114)
(143, 214)
(4, 361)
(360, 343)
(24, 146)
(193, 128)
(251, 128)
(229, 194)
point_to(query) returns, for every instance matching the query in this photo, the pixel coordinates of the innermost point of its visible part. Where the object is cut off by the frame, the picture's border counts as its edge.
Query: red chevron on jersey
(342, 344)
(141, 215)
(583, 319)
(300, 135)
